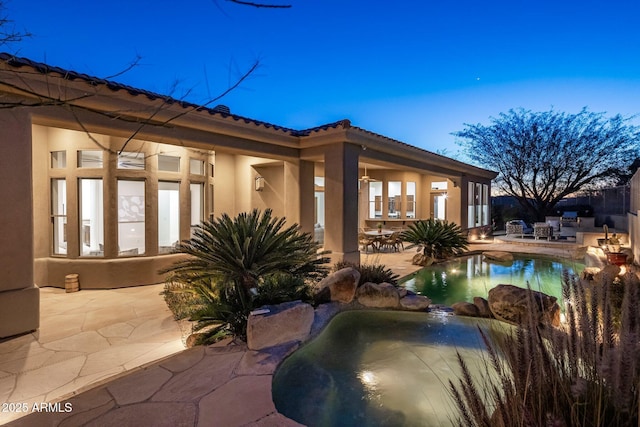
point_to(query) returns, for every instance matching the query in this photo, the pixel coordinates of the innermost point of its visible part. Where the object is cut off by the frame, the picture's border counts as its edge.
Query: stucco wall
(634, 217)
(224, 192)
(634, 235)
(112, 268)
(272, 196)
(19, 298)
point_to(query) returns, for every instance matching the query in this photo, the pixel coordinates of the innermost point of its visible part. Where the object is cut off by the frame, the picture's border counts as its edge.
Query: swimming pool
(378, 368)
(387, 368)
(467, 277)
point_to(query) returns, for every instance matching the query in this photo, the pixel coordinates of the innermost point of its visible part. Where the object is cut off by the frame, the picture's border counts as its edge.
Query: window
(196, 167)
(411, 199)
(375, 199)
(91, 217)
(478, 204)
(485, 204)
(59, 215)
(471, 220)
(197, 204)
(131, 160)
(211, 199)
(168, 163)
(439, 206)
(439, 185)
(131, 218)
(168, 216)
(90, 159)
(319, 204)
(477, 199)
(394, 190)
(58, 159)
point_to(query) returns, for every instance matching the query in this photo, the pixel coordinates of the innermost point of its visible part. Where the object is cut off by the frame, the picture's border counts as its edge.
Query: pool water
(468, 277)
(379, 368)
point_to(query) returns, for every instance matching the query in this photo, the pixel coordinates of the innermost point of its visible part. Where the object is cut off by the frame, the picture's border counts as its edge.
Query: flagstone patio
(116, 357)
(84, 338)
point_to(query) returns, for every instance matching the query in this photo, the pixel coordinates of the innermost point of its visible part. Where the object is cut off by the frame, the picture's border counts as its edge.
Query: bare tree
(8, 32)
(261, 5)
(543, 157)
(46, 95)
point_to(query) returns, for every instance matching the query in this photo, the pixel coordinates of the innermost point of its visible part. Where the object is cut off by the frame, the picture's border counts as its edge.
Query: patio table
(376, 236)
(376, 233)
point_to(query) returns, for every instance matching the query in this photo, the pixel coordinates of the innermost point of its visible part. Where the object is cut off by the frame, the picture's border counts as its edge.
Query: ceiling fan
(367, 178)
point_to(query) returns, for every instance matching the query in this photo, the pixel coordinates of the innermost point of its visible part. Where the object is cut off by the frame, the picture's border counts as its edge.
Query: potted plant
(614, 256)
(379, 227)
(604, 242)
(614, 243)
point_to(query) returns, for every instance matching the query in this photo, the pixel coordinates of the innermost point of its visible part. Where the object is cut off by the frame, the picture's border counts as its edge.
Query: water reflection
(464, 278)
(378, 368)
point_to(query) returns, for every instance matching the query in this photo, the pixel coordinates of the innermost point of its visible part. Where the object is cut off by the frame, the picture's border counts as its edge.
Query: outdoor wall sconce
(259, 184)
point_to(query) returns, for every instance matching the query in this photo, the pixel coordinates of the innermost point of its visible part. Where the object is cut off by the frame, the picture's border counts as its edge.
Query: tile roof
(222, 111)
(219, 110)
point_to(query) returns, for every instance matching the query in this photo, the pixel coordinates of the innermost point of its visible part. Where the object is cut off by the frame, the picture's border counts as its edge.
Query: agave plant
(436, 238)
(231, 257)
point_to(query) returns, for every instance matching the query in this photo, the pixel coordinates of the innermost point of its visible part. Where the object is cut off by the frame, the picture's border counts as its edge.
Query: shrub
(181, 300)
(437, 239)
(231, 259)
(279, 288)
(344, 264)
(375, 273)
(587, 374)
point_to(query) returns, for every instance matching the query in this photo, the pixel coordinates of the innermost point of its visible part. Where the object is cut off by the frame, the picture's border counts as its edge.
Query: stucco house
(101, 180)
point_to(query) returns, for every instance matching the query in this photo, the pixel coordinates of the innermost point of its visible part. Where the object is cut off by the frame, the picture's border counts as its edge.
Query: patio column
(341, 201)
(299, 194)
(19, 298)
(363, 204)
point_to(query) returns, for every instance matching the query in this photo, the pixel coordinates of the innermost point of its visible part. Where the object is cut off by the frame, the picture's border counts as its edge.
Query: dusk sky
(410, 70)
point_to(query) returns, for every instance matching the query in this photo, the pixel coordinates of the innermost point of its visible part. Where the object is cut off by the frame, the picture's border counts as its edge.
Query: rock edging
(297, 322)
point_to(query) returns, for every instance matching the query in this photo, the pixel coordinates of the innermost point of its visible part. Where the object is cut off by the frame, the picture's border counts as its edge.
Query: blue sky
(411, 70)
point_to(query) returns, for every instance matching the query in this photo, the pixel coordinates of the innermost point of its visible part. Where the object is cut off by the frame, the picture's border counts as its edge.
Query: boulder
(323, 314)
(483, 307)
(384, 295)
(421, 260)
(589, 273)
(415, 302)
(498, 256)
(283, 323)
(465, 309)
(339, 286)
(607, 274)
(594, 258)
(195, 339)
(512, 304)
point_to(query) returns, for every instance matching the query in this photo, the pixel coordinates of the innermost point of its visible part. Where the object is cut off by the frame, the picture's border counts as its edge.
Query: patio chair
(365, 241)
(542, 230)
(393, 242)
(514, 229)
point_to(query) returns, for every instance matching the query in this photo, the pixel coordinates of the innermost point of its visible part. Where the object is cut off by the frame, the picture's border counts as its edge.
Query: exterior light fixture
(259, 184)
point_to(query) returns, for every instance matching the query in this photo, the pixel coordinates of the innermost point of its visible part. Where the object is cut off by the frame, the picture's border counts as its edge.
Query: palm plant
(436, 238)
(230, 258)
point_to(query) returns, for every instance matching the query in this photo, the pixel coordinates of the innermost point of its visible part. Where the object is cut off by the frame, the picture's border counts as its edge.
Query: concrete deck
(90, 338)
